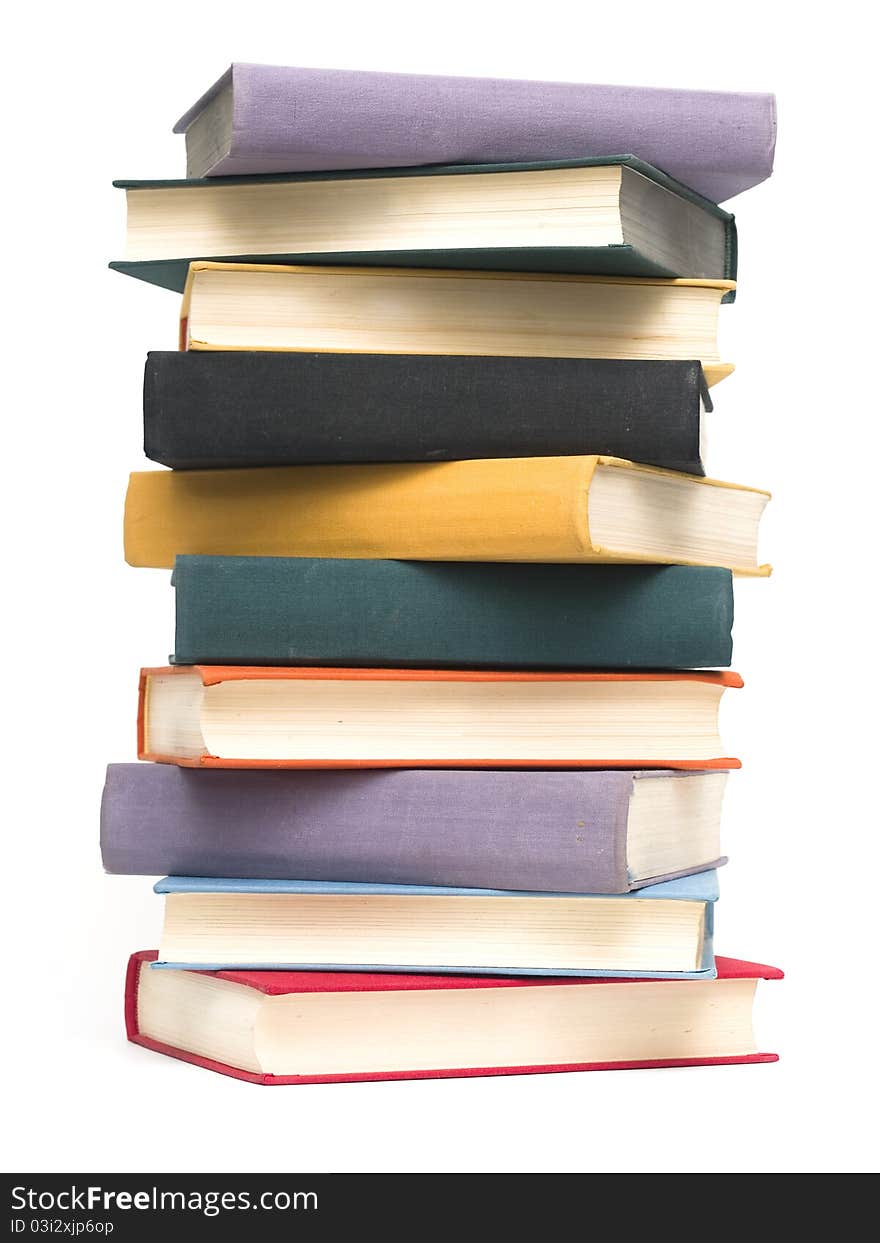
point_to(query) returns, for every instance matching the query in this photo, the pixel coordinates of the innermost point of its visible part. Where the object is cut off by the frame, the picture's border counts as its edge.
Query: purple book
(274, 119)
(554, 832)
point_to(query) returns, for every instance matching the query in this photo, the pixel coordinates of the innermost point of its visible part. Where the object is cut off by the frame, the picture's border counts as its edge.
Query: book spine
(204, 411)
(538, 831)
(475, 120)
(517, 509)
(305, 611)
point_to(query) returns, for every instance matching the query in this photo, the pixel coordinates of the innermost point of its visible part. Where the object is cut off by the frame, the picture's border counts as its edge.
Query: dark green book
(614, 216)
(416, 614)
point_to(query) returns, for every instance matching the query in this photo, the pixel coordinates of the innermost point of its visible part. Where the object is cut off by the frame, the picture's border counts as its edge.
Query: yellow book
(550, 509)
(247, 306)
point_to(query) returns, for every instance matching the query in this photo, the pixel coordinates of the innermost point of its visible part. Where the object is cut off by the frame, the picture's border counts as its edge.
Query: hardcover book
(238, 717)
(460, 615)
(286, 1027)
(248, 306)
(259, 408)
(662, 931)
(545, 831)
(615, 216)
(276, 119)
(547, 509)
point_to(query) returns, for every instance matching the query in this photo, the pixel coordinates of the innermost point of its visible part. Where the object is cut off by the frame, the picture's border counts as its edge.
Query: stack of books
(435, 771)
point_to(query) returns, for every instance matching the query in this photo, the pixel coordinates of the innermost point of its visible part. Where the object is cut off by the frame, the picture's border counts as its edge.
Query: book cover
(285, 983)
(285, 118)
(344, 611)
(539, 830)
(701, 887)
(620, 259)
(204, 410)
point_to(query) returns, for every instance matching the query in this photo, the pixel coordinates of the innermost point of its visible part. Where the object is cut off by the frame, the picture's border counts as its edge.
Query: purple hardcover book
(273, 119)
(559, 831)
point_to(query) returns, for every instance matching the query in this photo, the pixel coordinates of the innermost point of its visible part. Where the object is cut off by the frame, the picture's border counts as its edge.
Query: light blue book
(324, 926)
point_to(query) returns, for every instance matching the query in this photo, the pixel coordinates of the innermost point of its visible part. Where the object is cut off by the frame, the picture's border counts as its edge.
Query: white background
(91, 94)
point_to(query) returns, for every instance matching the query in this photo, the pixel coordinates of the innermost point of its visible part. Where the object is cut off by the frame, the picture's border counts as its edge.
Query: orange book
(215, 716)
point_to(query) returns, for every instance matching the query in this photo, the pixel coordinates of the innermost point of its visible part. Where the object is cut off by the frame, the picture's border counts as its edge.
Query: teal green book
(417, 614)
(613, 216)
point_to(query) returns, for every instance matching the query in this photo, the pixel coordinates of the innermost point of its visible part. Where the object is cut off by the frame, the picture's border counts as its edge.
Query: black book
(217, 409)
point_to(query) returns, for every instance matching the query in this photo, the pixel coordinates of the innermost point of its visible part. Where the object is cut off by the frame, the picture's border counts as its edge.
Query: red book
(278, 1027)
